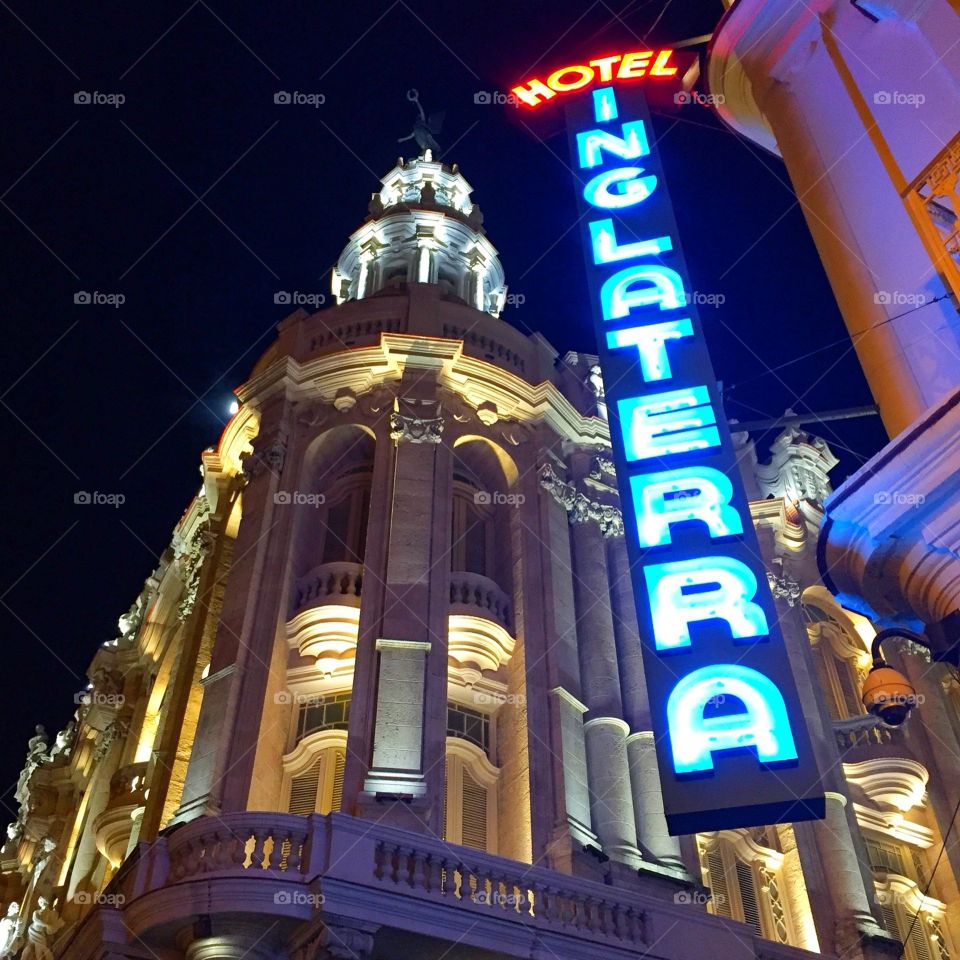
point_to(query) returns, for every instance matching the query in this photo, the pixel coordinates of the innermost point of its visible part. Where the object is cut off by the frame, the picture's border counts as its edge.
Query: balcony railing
(479, 596)
(330, 583)
(864, 731)
(282, 867)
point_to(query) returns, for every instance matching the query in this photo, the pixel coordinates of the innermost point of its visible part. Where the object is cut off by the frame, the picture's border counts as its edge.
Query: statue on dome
(424, 128)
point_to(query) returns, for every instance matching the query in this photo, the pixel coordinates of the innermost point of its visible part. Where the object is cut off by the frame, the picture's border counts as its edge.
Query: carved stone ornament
(581, 509)
(784, 587)
(603, 469)
(311, 414)
(269, 457)
(416, 421)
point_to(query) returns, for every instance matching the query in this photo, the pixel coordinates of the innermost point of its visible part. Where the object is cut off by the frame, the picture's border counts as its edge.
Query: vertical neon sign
(732, 744)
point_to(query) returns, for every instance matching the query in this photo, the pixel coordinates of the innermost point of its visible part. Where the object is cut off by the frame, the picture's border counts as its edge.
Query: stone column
(237, 940)
(605, 729)
(545, 620)
(933, 738)
(857, 933)
(655, 841)
(221, 765)
(838, 879)
(409, 733)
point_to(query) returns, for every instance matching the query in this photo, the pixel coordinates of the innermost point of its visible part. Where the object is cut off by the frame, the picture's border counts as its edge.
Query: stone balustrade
(513, 891)
(272, 843)
(339, 583)
(288, 872)
(474, 594)
(864, 731)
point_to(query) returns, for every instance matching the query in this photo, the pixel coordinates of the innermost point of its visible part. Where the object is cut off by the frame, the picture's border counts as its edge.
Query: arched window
(470, 797)
(840, 659)
(313, 774)
(914, 920)
(345, 528)
(746, 883)
(473, 530)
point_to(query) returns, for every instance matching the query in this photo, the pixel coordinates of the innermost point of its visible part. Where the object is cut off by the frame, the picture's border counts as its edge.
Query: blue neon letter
(607, 250)
(764, 725)
(604, 105)
(687, 493)
(631, 146)
(633, 188)
(650, 342)
(709, 588)
(674, 421)
(660, 285)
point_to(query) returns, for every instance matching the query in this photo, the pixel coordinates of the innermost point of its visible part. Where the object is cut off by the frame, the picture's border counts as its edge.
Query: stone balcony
(330, 583)
(326, 617)
(114, 825)
(473, 594)
(408, 894)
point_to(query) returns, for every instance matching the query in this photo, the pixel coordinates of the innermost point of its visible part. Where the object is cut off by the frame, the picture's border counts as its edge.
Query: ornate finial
(424, 127)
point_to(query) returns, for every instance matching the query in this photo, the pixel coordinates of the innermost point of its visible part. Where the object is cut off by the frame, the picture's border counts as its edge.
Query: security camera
(888, 694)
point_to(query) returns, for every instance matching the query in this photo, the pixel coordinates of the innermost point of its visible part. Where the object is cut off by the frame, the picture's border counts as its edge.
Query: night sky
(199, 198)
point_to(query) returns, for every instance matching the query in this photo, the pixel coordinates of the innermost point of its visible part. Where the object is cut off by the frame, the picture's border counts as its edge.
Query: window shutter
(887, 857)
(748, 896)
(474, 813)
(303, 791)
(713, 859)
(339, 764)
(446, 798)
(890, 920)
(846, 674)
(919, 945)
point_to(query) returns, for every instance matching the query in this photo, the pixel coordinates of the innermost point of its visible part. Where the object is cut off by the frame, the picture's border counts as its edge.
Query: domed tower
(389, 645)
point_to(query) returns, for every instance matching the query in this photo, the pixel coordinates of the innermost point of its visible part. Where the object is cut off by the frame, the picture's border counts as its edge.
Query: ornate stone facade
(383, 696)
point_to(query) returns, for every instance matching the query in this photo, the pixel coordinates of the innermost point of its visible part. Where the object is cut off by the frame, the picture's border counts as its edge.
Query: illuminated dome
(422, 228)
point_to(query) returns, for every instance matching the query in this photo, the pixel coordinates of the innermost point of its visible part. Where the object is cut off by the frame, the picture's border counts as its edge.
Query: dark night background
(96, 198)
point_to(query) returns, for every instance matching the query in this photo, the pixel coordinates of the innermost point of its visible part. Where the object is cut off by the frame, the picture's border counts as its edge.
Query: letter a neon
(764, 725)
